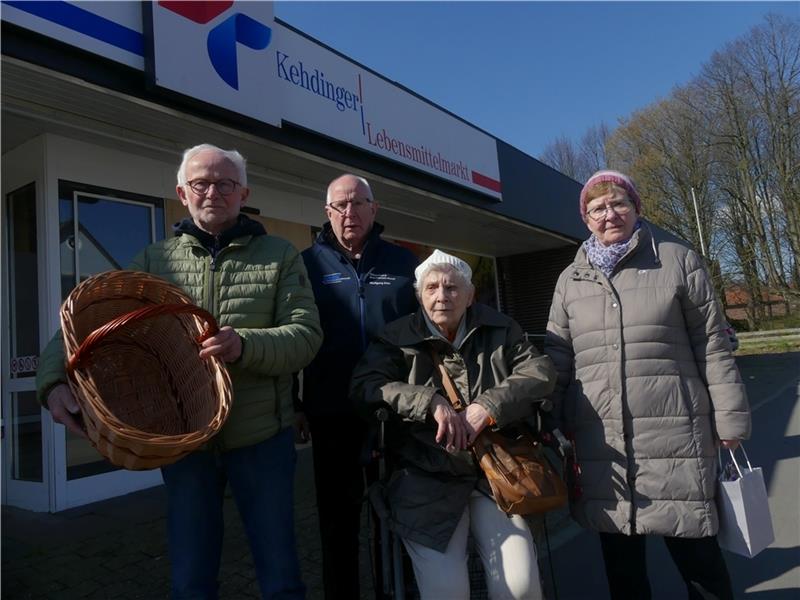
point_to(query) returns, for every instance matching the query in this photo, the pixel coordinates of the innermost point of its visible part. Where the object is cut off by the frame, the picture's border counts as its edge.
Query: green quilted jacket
(258, 286)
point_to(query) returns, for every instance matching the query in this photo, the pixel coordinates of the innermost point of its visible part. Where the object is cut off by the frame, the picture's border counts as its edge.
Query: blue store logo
(222, 42)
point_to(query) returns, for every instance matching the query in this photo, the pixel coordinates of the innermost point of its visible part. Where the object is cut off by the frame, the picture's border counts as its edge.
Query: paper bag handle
(735, 462)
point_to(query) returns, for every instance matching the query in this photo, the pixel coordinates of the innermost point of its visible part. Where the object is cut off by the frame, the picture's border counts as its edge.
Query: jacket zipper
(362, 307)
(212, 269)
(361, 278)
(215, 444)
(627, 436)
(630, 476)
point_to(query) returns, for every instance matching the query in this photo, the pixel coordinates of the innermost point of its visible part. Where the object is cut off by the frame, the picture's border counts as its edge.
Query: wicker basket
(131, 341)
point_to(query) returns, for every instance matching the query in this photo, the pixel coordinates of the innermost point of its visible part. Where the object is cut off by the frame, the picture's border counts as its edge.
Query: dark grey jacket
(647, 384)
(495, 367)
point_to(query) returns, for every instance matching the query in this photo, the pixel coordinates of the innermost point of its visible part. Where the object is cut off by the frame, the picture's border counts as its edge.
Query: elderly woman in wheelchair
(437, 495)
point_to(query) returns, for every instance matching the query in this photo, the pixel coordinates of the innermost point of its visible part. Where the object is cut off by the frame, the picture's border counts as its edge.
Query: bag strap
(747, 460)
(734, 461)
(447, 381)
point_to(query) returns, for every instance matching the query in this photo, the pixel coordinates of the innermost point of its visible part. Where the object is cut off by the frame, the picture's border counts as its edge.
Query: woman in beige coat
(648, 389)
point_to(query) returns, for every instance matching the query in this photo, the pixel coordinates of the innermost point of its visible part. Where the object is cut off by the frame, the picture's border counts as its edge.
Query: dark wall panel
(526, 284)
(536, 193)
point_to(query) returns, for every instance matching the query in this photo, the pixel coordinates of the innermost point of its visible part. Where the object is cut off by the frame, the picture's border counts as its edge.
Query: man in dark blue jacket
(360, 282)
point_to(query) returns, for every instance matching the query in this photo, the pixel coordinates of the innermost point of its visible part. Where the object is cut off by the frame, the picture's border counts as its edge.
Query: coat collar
(327, 237)
(415, 330)
(582, 269)
(240, 233)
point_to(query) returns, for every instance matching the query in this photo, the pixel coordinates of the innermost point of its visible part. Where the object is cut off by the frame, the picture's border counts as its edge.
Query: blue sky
(528, 72)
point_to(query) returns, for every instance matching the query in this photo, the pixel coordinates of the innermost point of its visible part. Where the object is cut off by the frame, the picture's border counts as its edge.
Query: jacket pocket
(686, 397)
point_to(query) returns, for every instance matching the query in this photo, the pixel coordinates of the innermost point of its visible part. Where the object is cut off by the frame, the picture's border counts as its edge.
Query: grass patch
(774, 346)
(785, 322)
(790, 321)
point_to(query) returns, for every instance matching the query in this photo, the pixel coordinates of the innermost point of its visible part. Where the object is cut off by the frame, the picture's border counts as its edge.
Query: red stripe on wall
(487, 182)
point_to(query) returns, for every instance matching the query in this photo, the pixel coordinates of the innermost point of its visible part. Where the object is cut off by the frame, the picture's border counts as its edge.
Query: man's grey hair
(441, 268)
(232, 155)
(361, 179)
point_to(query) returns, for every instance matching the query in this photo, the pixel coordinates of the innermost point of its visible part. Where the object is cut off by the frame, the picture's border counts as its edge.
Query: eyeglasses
(201, 186)
(340, 206)
(620, 207)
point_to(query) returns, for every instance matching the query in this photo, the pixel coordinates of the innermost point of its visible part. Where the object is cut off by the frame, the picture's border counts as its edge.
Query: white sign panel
(217, 52)
(324, 92)
(110, 29)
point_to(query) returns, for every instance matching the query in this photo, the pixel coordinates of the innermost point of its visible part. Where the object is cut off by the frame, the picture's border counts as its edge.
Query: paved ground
(773, 385)
(117, 548)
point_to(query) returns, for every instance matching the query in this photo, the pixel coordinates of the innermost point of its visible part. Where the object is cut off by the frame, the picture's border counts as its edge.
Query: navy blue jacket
(355, 303)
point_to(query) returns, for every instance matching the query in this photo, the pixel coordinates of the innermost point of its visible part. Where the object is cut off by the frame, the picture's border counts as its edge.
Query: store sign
(217, 52)
(235, 56)
(329, 94)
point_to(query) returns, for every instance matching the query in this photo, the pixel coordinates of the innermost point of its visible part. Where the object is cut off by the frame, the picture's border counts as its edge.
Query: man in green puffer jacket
(256, 287)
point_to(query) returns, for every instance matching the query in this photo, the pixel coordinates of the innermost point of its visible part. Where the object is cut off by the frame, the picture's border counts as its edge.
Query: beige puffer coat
(647, 384)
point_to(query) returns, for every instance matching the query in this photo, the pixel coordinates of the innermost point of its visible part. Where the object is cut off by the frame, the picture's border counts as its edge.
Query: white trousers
(504, 544)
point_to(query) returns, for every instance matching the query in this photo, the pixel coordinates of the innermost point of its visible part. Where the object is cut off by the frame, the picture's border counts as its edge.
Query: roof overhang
(38, 100)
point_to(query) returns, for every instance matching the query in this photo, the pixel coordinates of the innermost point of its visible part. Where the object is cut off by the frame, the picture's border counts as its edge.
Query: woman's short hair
(603, 188)
(232, 155)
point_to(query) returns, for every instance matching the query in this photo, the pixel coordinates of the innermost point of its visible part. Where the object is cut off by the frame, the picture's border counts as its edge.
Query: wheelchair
(392, 571)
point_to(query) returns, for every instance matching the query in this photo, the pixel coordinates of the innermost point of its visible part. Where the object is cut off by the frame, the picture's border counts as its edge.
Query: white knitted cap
(442, 258)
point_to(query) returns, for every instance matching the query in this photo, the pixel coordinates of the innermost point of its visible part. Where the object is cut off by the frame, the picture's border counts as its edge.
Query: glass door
(55, 233)
(100, 230)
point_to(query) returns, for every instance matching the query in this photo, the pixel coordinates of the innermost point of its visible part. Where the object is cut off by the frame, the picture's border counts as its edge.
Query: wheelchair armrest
(564, 445)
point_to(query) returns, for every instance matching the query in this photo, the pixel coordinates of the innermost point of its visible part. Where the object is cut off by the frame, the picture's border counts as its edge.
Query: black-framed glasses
(201, 186)
(340, 206)
(619, 207)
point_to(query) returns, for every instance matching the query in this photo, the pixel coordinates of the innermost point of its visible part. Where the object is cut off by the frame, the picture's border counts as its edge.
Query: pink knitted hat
(616, 177)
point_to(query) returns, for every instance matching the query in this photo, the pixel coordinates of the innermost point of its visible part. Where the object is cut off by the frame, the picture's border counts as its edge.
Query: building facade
(98, 102)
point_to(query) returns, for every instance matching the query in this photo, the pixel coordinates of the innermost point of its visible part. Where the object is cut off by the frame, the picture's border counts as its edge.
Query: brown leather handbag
(522, 480)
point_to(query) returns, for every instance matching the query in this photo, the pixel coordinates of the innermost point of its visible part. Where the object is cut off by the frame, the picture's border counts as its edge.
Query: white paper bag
(745, 524)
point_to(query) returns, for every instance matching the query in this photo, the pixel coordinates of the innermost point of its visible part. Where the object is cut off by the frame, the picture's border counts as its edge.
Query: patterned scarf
(606, 258)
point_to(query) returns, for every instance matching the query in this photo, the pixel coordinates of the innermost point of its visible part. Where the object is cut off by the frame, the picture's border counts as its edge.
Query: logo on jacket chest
(332, 278)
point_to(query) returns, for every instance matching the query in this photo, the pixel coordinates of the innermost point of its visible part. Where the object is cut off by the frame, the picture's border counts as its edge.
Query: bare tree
(732, 135)
(581, 160)
(769, 60)
(592, 149)
(756, 146)
(562, 155)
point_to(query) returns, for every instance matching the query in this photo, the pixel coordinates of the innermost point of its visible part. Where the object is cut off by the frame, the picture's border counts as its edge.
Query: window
(100, 230)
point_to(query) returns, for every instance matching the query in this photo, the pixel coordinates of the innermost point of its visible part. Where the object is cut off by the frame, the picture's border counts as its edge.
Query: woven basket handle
(93, 339)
